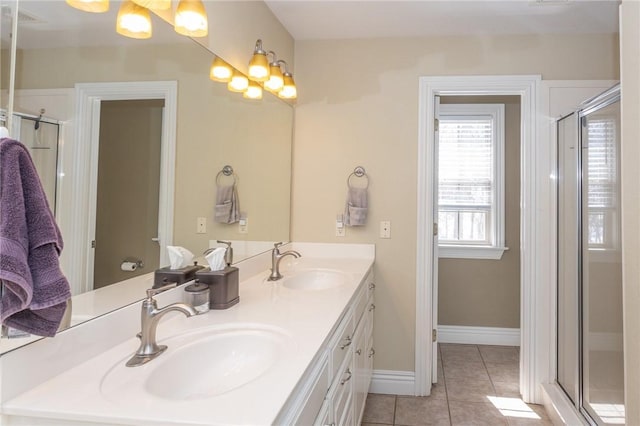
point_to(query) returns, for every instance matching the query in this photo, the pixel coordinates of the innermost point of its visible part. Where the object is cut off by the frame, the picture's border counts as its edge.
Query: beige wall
(358, 105)
(630, 78)
(481, 292)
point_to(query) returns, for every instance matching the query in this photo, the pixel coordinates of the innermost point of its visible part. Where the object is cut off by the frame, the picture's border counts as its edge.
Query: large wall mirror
(124, 181)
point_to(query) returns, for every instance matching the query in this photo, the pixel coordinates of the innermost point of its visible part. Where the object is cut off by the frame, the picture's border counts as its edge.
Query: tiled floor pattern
(477, 385)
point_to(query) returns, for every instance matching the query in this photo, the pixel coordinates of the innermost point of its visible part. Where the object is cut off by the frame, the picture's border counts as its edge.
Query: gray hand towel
(227, 208)
(34, 290)
(355, 212)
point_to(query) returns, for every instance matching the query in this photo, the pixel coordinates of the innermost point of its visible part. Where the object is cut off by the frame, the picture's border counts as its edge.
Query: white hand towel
(355, 212)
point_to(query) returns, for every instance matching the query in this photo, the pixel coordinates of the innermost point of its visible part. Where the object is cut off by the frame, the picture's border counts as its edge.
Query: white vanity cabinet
(351, 350)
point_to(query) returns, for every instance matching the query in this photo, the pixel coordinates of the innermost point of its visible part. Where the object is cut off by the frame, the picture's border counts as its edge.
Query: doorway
(525, 87)
(84, 171)
(128, 190)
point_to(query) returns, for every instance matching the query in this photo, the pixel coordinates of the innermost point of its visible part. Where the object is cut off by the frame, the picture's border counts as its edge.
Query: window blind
(465, 162)
(601, 163)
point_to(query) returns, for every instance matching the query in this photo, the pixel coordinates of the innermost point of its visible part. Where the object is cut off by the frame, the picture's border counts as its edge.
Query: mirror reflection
(122, 199)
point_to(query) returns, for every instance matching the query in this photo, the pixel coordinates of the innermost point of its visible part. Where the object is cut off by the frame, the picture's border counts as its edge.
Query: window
(471, 181)
(601, 183)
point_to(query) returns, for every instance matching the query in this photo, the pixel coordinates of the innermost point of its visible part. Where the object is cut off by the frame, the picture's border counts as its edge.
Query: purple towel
(35, 290)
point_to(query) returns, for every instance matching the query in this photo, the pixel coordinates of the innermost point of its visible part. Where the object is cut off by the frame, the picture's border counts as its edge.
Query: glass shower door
(601, 304)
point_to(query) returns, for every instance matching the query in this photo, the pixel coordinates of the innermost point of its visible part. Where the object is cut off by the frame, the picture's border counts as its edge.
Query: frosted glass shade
(133, 21)
(259, 67)
(238, 83)
(154, 4)
(289, 90)
(94, 6)
(191, 19)
(276, 80)
(220, 71)
(254, 91)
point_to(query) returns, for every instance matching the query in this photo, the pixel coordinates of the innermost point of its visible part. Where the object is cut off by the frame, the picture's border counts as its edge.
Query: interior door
(434, 260)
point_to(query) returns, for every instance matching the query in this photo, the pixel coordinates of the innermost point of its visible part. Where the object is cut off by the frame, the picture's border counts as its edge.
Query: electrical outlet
(243, 225)
(340, 228)
(201, 225)
(385, 229)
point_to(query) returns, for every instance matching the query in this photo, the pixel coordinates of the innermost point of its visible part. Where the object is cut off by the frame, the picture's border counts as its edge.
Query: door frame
(84, 170)
(534, 229)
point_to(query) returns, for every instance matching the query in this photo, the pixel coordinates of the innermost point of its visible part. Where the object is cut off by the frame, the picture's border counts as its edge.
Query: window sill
(470, 252)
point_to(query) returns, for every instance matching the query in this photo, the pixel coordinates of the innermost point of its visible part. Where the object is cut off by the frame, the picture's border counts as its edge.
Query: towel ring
(358, 172)
(227, 171)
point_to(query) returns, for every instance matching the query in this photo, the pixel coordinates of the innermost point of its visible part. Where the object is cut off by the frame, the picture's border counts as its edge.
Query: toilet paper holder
(130, 265)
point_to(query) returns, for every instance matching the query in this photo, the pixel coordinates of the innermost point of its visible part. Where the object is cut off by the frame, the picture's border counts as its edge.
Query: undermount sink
(201, 365)
(316, 279)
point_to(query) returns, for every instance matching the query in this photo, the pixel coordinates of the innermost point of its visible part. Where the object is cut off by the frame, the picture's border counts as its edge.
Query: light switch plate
(201, 225)
(243, 225)
(385, 229)
(340, 228)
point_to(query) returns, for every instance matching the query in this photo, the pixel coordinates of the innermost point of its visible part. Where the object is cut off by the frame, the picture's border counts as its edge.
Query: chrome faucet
(276, 257)
(150, 316)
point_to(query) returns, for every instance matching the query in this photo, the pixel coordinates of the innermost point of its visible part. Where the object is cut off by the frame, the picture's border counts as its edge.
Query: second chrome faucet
(276, 257)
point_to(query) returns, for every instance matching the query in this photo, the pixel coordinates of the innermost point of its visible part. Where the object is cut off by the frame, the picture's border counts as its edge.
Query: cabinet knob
(372, 307)
(347, 343)
(343, 381)
(372, 286)
(372, 352)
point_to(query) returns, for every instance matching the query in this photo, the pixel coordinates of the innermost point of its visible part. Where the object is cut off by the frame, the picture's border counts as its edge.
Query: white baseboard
(479, 335)
(393, 382)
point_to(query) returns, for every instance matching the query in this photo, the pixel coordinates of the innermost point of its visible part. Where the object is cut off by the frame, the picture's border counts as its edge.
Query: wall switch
(385, 229)
(243, 225)
(340, 228)
(201, 226)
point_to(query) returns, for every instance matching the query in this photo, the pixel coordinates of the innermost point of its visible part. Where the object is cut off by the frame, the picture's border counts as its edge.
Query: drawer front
(316, 397)
(369, 312)
(341, 347)
(342, 397)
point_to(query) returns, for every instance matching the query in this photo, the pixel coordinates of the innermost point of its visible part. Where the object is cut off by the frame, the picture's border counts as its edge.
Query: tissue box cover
(223, 286)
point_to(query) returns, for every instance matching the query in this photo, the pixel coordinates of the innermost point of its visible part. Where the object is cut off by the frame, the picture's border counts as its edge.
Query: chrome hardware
(348, 343)
(434, 335)
(343, 381)
(372, 307)
(156, 239)
(359, 351)
(372, 286)
(150, 317)
(276, 257)
(372, 352)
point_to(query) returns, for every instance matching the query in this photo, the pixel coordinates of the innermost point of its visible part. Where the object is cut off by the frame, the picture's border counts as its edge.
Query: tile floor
(477, 385)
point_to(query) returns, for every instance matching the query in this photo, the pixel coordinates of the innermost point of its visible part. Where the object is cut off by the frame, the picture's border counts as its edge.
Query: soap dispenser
(228, 254)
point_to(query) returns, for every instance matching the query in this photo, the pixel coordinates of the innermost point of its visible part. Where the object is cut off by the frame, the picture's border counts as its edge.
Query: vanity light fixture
(276, 80)
(254, 91)
(238, 83)
(259, 64)
(94, 6)
(220, 70)
(133, 21)
(288, 90)
(191, 19)
(154, 4)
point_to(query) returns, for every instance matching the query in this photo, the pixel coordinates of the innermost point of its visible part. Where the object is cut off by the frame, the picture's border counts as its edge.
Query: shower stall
(41, 136)
(589, 297)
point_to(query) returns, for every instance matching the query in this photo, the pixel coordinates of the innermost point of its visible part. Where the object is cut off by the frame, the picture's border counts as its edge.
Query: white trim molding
(83, 171)
(534, 339)
(479, 335)
(391, 382)
(470, 252)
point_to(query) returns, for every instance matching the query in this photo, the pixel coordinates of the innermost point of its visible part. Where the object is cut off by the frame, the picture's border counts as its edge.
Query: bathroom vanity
(295, 351)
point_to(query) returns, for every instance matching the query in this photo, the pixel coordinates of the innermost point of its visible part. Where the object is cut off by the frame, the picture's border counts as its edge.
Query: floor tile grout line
(487, 370)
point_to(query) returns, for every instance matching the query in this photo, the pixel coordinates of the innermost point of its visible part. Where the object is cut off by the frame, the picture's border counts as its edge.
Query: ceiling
(308, 19)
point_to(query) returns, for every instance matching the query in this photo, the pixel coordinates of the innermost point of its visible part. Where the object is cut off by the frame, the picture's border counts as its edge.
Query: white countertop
(307, 317)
